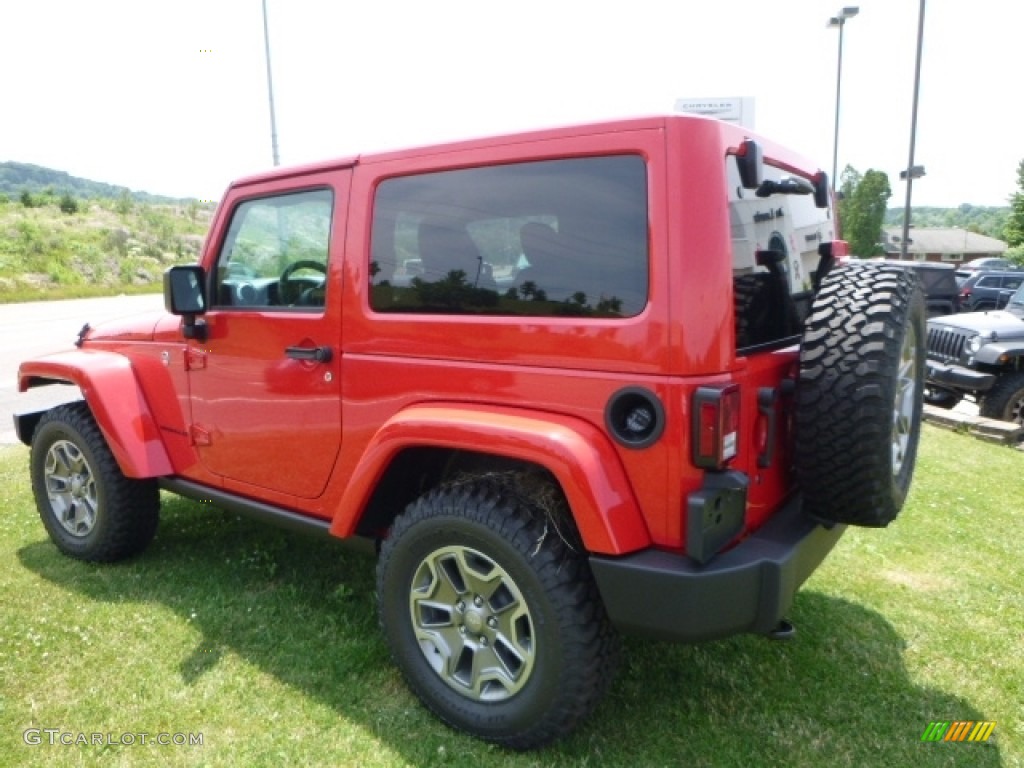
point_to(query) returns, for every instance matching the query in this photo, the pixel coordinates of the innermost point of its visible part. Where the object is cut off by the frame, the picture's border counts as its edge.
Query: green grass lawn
(267, 644)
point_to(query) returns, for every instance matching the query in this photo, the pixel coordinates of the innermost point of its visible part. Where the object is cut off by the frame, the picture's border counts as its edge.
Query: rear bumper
(958, 377)
(747, 589)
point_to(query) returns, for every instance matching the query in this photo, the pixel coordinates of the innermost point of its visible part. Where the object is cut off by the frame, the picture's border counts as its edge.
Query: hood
(134, 328)
(1004, 324)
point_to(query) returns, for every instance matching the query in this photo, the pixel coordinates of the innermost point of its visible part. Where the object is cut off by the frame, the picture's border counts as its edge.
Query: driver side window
(275, 253)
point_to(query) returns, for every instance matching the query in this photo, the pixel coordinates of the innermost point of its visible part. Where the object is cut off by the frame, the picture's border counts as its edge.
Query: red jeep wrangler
(592, 377)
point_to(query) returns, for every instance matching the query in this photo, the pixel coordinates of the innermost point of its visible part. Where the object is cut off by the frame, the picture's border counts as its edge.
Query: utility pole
(270, 88)
(913, 171)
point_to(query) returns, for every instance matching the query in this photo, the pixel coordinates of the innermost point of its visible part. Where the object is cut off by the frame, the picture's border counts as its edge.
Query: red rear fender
(578, 455)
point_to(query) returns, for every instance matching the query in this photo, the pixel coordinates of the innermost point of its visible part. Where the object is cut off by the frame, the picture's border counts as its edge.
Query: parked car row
(989, 263)
(978, 285)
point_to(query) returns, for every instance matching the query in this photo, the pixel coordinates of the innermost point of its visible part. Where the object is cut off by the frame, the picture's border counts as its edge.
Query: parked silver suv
(980, 356)
(989, 290)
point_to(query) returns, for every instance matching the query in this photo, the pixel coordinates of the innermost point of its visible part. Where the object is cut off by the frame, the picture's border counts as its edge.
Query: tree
(68, 204)
(1014, 231)
(862, 210)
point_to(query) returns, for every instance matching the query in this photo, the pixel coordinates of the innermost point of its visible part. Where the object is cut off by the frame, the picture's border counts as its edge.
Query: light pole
(270, 88)
(839, 20)
(913, 171)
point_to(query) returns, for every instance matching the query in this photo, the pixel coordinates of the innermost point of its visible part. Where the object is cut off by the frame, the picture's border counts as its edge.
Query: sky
(170, 96)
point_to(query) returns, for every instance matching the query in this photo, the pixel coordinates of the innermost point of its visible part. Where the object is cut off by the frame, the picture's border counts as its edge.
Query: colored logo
(958, 730)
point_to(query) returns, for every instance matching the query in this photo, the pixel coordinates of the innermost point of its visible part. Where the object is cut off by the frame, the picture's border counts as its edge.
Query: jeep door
(265, 384)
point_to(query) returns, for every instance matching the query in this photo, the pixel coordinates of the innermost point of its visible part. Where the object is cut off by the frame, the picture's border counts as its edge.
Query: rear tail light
(716, 422)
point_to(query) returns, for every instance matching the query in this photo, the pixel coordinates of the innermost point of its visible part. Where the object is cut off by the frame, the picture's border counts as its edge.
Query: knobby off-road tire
(89, 508)
(1005, 401)
(859, 394)
(756, 312)
(492, 617)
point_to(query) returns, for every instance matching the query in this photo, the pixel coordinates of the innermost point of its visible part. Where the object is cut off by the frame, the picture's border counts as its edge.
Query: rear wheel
(492, 616)
(859, 395)
(89, 508)
(1005, 401)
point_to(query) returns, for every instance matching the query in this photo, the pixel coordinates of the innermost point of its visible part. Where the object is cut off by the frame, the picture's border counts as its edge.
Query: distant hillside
(16, 178)
(60, 243)
(985, 220)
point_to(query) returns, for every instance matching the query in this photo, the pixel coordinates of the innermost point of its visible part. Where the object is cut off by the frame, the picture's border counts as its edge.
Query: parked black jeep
(941, 292)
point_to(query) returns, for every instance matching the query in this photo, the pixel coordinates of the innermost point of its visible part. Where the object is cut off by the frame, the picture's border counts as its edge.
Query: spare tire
(859, 394)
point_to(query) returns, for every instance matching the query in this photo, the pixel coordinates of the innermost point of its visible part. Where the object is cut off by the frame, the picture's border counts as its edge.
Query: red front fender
(112, 392)
(578, 455)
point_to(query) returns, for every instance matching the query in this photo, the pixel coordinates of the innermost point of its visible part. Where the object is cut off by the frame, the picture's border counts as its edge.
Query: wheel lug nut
(462, 630)
(460, 606)
(478, 601)
(483, 640)
(492, 623)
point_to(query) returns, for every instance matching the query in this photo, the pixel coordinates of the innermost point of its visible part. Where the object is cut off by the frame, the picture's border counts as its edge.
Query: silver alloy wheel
(71, 488)
(906, 397)
(1016, 409)
(472, 623)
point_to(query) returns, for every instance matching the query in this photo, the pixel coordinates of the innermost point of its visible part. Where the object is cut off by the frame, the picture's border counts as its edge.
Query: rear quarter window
(551, 238)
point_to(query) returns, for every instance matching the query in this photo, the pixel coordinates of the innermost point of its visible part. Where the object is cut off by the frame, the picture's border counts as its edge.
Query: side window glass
(275, 253)
(553, 238)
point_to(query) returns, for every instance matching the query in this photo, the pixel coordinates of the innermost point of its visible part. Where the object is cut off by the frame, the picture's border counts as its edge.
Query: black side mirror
(183, 295)
(750, 163)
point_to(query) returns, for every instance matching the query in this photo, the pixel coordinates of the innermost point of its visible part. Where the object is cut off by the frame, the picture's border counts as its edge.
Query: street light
(912, 170)
(270, 88)
(839, 20)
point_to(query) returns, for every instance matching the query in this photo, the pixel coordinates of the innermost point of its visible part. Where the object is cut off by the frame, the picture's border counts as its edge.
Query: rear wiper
(787, 186)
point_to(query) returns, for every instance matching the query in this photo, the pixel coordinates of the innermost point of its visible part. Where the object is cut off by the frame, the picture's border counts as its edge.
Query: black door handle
(316, 354)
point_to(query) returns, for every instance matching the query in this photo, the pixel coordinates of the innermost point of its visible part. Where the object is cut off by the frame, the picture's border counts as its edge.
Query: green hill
(985, 220)
(16, 178)
(62, 241)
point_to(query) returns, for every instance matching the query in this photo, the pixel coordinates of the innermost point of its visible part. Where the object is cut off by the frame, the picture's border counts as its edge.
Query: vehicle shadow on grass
(303, 611)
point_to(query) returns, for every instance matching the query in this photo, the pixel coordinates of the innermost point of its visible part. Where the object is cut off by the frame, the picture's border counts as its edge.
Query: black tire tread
(997, 402)
(590, 641)
(754, 312)
(845, 394)
(129, 508)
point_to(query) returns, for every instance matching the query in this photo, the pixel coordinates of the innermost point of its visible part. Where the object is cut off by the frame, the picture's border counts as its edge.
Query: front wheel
(1005, 401)
(89, 508)
(492, 617)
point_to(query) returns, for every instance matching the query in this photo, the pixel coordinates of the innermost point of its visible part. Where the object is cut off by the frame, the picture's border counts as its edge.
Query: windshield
(1016, 303)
